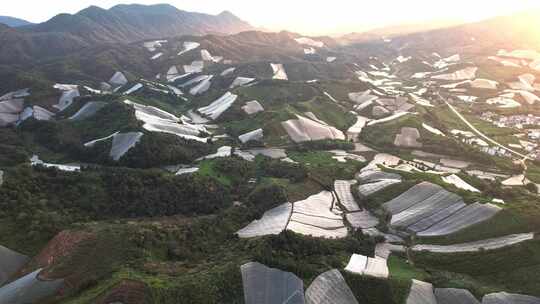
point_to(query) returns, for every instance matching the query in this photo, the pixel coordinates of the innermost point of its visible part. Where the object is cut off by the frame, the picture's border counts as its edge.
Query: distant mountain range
(128, 23)
(510, 32)
(93, 26)
(398, 30)
(13, 22)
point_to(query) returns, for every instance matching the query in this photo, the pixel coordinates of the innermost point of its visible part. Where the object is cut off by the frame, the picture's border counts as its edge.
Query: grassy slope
(514, 269)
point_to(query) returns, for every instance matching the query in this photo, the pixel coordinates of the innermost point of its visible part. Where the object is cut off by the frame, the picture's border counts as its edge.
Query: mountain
(94, 26)
(129, 23)
(398, 30)
(13, 22)
(511, 32)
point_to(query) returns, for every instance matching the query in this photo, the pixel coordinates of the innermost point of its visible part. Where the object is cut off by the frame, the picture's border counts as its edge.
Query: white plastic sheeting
(29, 289)
(188, 46)
(454, 296)
(330, 287)
(421, 293)
(343, 191)
(432, 129)
(66, 99)
(216, 108)
(151, 46)
(195, 67)
(10, 261)
(123, 142)
(489, 244)
(157, 120)
(202, 86)
(459, 183)
(313, 216)
(305, 129)
(274, 221)
(408, 138)
(374, 187)
(241, 81)
(133, 89)
(255, 135)
(279, 71)
(35, 161)
(252, 107)
(374, 267)
(362, 220)
(509, 298)
(264, 285)
(465, 217)
(118, 79)
(88, 110)
(465, 74)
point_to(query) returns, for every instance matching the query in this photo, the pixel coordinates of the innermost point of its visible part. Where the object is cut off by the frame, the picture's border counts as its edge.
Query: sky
(303, 16)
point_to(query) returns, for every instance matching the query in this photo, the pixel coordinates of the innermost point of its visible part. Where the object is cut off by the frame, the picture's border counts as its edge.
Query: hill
(128, 23)
(13, 22)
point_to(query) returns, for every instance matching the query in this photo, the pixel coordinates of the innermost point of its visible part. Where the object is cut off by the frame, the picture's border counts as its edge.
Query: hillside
(128, 23)
(260, 167)
(65, 33)
(13, 22)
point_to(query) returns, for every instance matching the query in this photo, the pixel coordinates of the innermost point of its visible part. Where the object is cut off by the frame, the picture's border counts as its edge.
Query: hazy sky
(310, 17)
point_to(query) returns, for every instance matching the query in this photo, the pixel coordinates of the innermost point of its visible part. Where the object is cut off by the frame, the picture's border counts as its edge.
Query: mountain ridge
(13, 21)
(134, 22)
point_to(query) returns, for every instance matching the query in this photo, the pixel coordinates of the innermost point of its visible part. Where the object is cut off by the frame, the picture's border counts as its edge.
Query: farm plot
(429, 210)
(504, 298)
(459, 183)
(66, 99)
(216, 108)
(383, 250)
(488, 244)
(118, 79)
(29, 289)
(454, 296)
(10, 262)
(381, 159)
(330, 287)
(465, 217)
(376, 175)
(362, 265)
(304, 129)
(157, 120)
(421, 293)
(411, 197)
(439, 201)
(202, 86)
(10, 110)
(252, 107)
(121, 143)
(465, 74)
(241, 81)
(362, 220)
(188, 46)
(279, 71)
(255, 135)
(408, 138)
(343, 191)
(88, 110)
(264, 285)
(374, 187)
(274, 153)
(314, 217)
(35, 161)
(273, 221)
